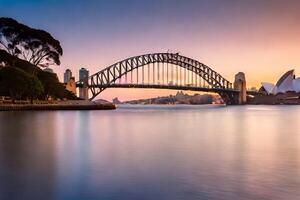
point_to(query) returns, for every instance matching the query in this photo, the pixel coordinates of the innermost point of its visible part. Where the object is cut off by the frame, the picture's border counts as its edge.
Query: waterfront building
(71, 85)
(67, 75)
(287, 83)
(83, 78)
(83, 74)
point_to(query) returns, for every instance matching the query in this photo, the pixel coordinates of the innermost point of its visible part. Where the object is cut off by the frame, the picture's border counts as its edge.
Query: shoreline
(49, 107)
(74, 107)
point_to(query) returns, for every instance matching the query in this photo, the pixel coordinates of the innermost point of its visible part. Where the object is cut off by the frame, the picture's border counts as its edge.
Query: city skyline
(259, 38)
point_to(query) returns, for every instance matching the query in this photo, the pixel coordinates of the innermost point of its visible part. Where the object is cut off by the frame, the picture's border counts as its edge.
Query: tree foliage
(36, 46)
(18, 84)
(49, 81)
(22, 51)
(12, 61)
(53, 88)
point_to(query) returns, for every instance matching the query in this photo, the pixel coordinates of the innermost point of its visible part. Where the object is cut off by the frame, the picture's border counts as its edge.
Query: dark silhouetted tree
(36, 46)
(52, 87)
(18, 84)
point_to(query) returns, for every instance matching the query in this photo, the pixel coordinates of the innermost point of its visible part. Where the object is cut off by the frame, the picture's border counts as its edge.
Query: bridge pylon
(240, 85)
(83, 89)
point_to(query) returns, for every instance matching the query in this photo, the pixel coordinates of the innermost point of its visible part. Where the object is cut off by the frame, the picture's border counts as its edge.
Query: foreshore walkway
(67, 105)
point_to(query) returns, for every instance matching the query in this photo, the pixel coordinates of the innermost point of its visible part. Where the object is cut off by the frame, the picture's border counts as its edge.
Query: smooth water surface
(151, 153)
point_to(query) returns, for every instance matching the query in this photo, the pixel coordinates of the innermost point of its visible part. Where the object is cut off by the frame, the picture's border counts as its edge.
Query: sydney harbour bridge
(166, 71)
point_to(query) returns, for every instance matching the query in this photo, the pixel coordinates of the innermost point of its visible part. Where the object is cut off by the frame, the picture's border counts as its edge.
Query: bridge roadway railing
(207, 88)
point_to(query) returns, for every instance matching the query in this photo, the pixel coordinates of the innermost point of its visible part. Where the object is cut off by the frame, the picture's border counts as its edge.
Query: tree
(34, 88)
(52, 87)
(22, 51)
(36, 46)
(18, 84)
(12, 61)
(50, 83)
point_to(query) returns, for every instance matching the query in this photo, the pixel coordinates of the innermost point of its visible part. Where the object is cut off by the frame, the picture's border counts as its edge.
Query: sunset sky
(258, 37)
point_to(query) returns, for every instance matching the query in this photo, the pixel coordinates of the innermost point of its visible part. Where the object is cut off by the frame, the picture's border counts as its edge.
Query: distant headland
(179, 98)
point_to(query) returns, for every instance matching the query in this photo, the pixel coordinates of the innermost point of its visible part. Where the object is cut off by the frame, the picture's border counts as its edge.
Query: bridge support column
(240, 85)
(84, 89)
(84, 93)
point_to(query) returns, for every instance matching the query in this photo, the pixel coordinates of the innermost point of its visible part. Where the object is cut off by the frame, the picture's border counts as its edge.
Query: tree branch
(6, 47)
(38, 61)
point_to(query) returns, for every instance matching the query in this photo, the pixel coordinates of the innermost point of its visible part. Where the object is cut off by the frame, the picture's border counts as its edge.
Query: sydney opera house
(285, 91)
(287, 83)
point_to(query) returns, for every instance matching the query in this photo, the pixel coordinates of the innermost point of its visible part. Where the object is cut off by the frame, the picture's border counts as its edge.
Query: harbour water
(151, 153)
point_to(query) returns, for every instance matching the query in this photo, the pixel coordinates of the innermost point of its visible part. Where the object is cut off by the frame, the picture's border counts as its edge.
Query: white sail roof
(286, 83)
(268, 87)
(296, 85)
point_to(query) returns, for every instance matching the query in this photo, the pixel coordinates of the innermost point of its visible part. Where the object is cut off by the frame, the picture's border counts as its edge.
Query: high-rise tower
(83, 78)
(67, 75)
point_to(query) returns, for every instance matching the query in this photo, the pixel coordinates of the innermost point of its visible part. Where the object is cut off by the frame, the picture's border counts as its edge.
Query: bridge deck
(169, 87)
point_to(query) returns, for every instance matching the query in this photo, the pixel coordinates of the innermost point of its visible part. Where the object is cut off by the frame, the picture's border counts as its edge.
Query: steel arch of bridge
(107, 77)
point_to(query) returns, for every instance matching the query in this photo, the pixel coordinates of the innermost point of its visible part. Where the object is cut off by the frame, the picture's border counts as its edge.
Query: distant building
(71, 85)
(83, 78)
(47, 69)
(83, 74)
(180, 95)
(116, 101)
(67, 75)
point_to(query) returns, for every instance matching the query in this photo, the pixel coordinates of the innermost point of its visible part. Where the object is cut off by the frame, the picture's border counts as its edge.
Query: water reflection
(247, 152)
(27, 155)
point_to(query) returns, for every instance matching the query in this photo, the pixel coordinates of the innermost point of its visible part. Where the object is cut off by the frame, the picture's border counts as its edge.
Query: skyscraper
(67, 75)
(83, 78)
(83, 75)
